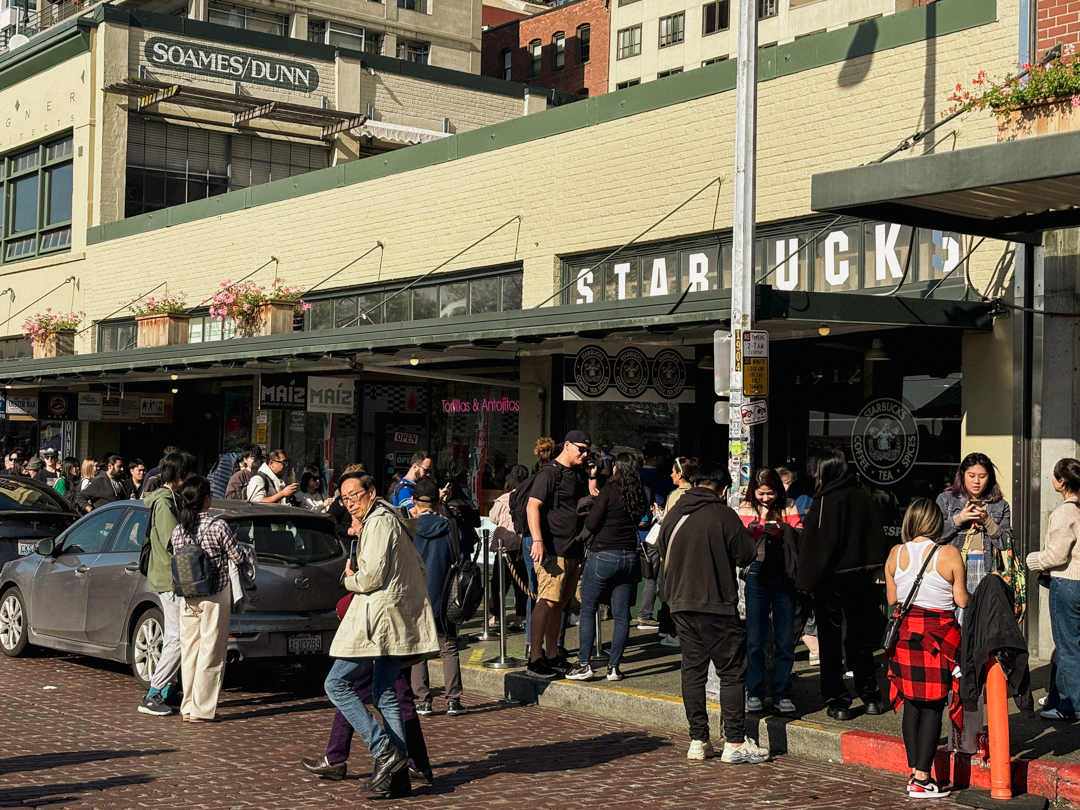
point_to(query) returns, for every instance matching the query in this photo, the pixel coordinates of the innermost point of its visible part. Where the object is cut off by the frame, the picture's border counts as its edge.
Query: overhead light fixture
(877, 351)
(824, 330)
(175, 390)
(414, 361)
(174, 376)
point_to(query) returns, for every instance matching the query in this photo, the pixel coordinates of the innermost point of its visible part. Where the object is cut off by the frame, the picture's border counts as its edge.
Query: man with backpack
(176, 468)
(557, 553)
(437, 539)
(402, 493)
(266, 485)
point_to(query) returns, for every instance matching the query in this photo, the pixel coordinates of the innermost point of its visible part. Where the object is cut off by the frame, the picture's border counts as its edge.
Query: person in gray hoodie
(176, 468)
(438, 542)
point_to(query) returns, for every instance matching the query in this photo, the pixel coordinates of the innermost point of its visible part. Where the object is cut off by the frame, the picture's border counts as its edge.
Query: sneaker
(614, 673)
(647, 624)
(1042, 700)
(574, 620)
(424, 708)
(926, 790)
(559, 664)
(539, 669)
(815, 659)
(784, 706)
(745, 754)
(153, 704)
(670, 641)
(172, 695)
(1050, 714)
(580, 672)
(754, 704)
(700, 749)
(454, 707)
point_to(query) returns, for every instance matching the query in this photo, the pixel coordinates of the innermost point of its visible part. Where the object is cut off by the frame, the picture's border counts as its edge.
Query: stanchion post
(485, 632)
(997, 721)
(503, 661)
(599, 635)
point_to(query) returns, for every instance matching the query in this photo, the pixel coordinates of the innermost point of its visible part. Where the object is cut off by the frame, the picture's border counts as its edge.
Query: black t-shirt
(560, 488)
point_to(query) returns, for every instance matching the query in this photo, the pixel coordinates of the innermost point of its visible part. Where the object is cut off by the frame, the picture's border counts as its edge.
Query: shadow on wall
(860, 55)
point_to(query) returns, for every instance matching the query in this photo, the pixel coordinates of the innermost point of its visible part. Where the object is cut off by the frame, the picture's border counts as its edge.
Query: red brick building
(1059, 21)
(564, 48)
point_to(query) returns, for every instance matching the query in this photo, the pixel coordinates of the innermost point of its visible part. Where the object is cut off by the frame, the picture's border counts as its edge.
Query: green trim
(833, 47)
(62, 43)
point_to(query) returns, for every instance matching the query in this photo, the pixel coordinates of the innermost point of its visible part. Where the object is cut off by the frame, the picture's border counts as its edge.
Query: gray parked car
(83, 593)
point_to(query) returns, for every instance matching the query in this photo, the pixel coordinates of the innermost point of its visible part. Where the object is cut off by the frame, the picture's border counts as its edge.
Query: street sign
(755, 343)
(754, 413)
(755, 353)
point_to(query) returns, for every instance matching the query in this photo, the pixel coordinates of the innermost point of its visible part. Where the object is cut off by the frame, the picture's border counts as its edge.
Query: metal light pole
(742, 275)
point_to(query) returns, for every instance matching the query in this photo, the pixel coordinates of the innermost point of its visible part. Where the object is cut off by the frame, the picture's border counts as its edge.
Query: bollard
(997, 721)
(485, 632)
(503, 661)
(599, 635)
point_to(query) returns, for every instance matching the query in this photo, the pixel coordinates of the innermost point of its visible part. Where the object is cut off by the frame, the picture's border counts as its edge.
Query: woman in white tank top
(921, 664)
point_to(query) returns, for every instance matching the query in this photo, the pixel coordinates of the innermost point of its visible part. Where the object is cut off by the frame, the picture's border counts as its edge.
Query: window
(714, 60)
(316, 31)
(248, 19)
(15, 348)
(344, 36)
(672, 29)
(626, 2)
(170, 164)
(536, 51)
(204, 328)
(506, 60)
(584, 35)
(628, 83)
(117, 337)
(418, 52)
(767, 8)
(130, 537)
(663, 74)
(92, 535)
(715, 17)
(35, 206)
(629, 42)
(420, 6)
(558, 47)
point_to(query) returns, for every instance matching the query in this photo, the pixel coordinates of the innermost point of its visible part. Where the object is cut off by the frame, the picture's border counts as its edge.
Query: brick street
(82, 745)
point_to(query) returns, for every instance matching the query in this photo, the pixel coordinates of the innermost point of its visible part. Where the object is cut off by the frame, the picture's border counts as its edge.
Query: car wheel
(146, 641)
(13, 632)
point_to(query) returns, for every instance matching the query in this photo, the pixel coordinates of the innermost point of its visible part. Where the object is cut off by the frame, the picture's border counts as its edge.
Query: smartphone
(353, 547)
(770, 526)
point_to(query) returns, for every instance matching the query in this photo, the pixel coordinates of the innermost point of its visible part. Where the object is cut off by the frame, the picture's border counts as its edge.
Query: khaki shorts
(558, 578)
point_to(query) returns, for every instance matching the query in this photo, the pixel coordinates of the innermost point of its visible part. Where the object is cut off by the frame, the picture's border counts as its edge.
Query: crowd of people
(799, 557)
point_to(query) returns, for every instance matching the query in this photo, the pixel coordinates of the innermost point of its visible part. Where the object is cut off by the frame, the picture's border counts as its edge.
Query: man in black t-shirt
(554, 520)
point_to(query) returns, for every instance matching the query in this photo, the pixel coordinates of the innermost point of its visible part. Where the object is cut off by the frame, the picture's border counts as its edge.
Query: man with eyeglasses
(266, 485)
(402, 494)
(553, 518)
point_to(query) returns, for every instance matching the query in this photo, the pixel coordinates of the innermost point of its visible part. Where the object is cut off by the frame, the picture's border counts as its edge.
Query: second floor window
(419, 52)
(506, 64)
(36, 185)
(248, 19)
(584, 34)
(715, 16)
(767, 8)
(420, 6)
(672, 30)
(536, 53)
(558, 46)
(629, 42)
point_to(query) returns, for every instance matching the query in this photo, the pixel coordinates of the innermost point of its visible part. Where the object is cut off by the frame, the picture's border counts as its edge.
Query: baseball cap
(578, 437)
(426, 491)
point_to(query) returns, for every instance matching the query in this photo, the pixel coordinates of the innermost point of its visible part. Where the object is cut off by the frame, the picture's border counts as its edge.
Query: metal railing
(48, 14)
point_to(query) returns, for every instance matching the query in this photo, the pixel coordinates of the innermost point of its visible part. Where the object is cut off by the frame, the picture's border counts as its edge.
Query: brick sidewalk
(83, 745)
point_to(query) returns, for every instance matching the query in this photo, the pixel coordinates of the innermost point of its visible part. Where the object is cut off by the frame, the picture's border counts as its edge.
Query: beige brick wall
(418, 103)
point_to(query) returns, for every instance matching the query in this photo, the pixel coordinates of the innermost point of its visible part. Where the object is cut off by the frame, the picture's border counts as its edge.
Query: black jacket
(990, 627)
(841, 532)
(697, 570)
(102, 490)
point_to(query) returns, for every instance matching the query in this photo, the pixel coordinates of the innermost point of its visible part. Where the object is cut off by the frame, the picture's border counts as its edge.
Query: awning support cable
(961, 263)
(364, 255)
(662, 219)
(68, 280)
(96, 321)
(273, 260)
(413, 283)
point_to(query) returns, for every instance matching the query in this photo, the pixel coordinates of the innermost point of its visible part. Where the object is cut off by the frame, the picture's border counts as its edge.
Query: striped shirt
(218, 541)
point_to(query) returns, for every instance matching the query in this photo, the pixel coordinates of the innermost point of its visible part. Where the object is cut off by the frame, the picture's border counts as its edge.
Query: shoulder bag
(892, 629)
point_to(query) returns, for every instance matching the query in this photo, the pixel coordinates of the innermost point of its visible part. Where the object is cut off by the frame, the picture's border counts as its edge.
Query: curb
(1057, 781)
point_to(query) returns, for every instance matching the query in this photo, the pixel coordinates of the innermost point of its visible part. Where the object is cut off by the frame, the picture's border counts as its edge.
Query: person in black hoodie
(843, 544)
(702, 542)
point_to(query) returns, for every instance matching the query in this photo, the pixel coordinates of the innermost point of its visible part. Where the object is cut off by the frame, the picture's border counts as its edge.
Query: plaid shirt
(921, 666)
(218, 541)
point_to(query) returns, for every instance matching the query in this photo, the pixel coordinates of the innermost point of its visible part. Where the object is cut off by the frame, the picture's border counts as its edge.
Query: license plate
(27, 548)
(305, 643)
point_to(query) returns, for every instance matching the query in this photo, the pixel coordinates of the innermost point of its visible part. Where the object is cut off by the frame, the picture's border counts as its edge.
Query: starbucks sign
(885, 441)
(223, 63)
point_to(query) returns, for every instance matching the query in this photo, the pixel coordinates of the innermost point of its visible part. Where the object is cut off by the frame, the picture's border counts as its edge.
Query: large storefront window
(626, 425)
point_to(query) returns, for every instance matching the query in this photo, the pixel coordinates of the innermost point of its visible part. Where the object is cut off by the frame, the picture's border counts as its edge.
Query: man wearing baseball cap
(50, 471)
(553, 517)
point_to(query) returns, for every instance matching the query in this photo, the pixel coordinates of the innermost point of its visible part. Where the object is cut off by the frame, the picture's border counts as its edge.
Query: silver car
(83, 593)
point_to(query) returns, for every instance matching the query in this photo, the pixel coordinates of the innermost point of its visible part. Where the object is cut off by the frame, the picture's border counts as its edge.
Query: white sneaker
(700, 749)
(785, 706)
(1042, 700)
(745, 754)
(574, 620)
(756, 749)
(670, 641)
(754, 704)
(580, 672)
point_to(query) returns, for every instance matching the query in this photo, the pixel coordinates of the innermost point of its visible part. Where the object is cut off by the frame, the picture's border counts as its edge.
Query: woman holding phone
(773, 521)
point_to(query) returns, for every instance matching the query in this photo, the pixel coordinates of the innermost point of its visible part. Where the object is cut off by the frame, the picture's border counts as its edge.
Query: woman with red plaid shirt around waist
(922, 663)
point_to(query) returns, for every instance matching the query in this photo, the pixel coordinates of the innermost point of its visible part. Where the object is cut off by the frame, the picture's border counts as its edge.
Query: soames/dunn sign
(222, 63)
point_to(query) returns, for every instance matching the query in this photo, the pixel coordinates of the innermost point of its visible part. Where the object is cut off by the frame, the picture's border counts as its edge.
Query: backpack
(519, 499)
(464, 588)
(192, 571)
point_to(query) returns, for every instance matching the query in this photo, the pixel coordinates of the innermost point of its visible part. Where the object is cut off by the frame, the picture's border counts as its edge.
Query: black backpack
(463, 590)
(192, 571)
(519, 499)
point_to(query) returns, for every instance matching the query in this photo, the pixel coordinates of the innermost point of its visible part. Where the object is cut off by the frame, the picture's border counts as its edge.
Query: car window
(132, 531)
(288, 540)
(18, 496)
(91, 534)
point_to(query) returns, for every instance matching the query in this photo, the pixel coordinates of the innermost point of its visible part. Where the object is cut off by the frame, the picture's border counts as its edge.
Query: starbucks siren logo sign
(592, 371)
(885, 441)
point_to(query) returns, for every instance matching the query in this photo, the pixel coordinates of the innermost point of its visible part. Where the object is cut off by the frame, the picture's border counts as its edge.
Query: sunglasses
(582, 448)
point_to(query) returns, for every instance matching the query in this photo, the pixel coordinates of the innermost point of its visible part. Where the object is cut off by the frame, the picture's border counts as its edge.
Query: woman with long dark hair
(611, 564)
(843, 544)
(977, 518)
(773, 522)
(682, 476)
(69, 476)
(204, 620)
(309, 496)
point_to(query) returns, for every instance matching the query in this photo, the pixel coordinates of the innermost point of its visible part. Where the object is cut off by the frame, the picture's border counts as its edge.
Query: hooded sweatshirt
(435, 544)
(841, 532)
(700, 558)
(164, 515)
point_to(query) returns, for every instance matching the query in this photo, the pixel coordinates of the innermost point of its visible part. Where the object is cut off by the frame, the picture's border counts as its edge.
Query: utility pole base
(981, 798)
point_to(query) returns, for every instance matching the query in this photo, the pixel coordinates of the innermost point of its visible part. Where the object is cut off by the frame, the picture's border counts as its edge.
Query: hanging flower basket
(1041, 119)
(52, 334)
(161, 320)
(256, 310)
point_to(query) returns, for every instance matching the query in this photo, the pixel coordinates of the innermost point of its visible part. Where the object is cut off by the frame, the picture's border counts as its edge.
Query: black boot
(400, 785)
(386, 765)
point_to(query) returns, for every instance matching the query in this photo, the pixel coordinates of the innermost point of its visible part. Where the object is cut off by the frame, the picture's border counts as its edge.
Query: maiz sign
(239, 66)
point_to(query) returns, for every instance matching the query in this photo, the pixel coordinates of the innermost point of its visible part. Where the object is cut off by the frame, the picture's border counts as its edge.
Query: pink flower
(1069, 49)
(1075, 102)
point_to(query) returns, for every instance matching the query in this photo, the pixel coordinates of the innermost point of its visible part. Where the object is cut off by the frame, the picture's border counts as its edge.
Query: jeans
(168, 666)
(534, 585)
(615, 572)
(1065, 624)
(854, 595)
(709, 637)
(339, 688)
(762, 598)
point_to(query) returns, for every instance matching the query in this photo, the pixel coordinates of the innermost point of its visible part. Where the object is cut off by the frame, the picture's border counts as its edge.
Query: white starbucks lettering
(950, 247)
(699, 272)
(787, 260)
(621, 271)
(584, 279)
(659, 285)
(885, 251)
(836, 272)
